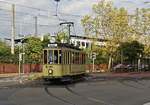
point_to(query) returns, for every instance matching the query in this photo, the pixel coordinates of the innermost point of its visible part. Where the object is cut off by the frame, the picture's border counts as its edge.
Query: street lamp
(22, 40)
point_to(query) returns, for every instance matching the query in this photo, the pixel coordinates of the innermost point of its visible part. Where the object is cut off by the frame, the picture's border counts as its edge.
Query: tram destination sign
(52, 45)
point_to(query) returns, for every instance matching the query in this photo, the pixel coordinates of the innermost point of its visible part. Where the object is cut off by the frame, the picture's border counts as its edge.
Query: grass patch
(34, 76)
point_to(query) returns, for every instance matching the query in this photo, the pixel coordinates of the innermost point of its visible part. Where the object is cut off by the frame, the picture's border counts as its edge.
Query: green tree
(62, 37)
(131, 51)
(109, 23)
(5, 53)
(33, 50)
(45, 40)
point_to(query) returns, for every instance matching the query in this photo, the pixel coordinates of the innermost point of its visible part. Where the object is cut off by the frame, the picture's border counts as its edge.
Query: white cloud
(77, 6)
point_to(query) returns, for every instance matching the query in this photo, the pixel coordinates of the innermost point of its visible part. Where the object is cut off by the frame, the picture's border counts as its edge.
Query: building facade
(86, 42)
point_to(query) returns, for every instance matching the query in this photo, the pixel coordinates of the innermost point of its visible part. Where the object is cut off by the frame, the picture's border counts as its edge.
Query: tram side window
(45, 56)
(68, 57)
(56, 56)
(72, 58)
(60, 61)
(82, 58)
(78, 59)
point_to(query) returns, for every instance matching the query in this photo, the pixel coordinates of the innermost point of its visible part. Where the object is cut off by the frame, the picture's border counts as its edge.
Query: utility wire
(39, 9)
(23, 23)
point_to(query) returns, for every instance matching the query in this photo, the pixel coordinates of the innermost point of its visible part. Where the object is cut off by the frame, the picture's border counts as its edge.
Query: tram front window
(53, 57)
(50, 57)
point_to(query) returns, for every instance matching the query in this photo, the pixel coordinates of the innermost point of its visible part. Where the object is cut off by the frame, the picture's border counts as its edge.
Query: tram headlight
(50, 71)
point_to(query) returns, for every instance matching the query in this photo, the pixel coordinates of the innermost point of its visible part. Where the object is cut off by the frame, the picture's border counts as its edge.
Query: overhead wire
(58, 15)
(39, 9)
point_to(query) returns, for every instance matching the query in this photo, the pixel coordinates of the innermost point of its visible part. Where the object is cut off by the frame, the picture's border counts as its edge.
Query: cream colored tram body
(63, 61)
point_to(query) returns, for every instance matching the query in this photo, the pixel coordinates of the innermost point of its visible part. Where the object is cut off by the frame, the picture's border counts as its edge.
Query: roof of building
(63, 45)
(88, 38)
(85, 37)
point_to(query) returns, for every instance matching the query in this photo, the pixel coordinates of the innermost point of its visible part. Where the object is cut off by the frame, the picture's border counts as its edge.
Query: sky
(46, 11)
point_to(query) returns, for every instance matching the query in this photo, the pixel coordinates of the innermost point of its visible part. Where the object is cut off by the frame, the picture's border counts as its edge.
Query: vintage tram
(63, 62)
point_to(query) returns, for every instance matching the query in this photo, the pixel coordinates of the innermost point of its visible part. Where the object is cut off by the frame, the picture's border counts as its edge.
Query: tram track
(40, 83)
(126, 83)
(72, 91)
(57, 97)
(86, 97)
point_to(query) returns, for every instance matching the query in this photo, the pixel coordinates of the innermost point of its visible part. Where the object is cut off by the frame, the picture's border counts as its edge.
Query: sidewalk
(131, 75)
(8, 75)
(14, 77)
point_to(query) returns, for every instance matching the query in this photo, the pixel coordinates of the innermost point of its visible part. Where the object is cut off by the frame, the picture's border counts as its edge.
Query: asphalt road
(107, 92)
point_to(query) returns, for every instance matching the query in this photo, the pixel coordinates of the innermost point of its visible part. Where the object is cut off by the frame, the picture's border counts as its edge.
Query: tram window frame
(73, 57)
(66, 54)
(59, 57)
(64, 57)
(76, 57)
(55, 56)
(45, 57)
(82, 58)
(68, 57)
(50, 57)
(87, 45)
(78, 60)
(78, 43)
(71, 53)
(83, 44)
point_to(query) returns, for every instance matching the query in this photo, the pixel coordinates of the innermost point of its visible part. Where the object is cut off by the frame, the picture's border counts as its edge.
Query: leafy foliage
(131, 50)
(5, 54)
(33, 50)
(61, 37)
(117, 26)
(45, 40)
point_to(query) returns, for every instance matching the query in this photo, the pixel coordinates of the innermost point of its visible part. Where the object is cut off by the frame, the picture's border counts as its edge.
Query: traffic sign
(93, 55)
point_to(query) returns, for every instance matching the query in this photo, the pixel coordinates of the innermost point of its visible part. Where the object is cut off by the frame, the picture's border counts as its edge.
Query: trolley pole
(69, 24)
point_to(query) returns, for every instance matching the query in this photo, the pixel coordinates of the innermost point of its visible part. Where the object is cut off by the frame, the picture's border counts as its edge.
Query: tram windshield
(52, 56)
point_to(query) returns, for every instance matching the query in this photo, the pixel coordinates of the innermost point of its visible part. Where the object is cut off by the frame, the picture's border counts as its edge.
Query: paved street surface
(93, 91)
